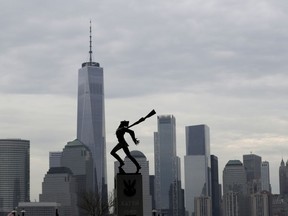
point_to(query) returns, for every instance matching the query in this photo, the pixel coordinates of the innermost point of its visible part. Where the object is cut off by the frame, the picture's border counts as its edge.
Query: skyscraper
(197, 165)
(235, 189)
(283, 178)
(252, 164)
(14, 173)
(265, 176)
(130, 168)
(215, 186)
(91, 118)
(166, 173)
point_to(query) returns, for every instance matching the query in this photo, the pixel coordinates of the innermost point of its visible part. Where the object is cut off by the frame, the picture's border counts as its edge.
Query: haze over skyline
(220, 63)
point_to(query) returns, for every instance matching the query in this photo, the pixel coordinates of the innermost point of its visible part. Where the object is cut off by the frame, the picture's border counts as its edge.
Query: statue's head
(124, 123)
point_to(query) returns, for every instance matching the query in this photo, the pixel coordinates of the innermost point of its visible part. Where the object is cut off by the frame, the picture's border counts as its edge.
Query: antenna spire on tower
(90, 62)
(90, 51)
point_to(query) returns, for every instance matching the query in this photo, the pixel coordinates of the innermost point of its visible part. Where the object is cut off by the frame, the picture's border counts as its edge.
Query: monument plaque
(129, 195)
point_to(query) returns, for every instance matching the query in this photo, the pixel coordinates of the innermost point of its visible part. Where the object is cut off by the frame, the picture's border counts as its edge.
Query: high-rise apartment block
(197, 165)
(14, 173)
(166, 166)
(91, 118)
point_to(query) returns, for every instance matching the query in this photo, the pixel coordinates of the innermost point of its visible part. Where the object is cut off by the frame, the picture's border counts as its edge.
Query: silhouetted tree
(94, 204)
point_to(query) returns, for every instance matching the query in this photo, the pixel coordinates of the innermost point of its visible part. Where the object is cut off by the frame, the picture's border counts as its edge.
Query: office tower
(55, 159)
(14, 173)
(215, 186)
(252, 164)
(265, 176)
(235, 189)
(59, 186)
(129, 167)
(261, 204)
(91, 118)
(203, 206)
(197, 165)
(77, 157)
(166, 173)
(283, 178)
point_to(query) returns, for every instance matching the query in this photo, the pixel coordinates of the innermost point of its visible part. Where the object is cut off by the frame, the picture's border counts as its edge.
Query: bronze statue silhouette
(122, 144)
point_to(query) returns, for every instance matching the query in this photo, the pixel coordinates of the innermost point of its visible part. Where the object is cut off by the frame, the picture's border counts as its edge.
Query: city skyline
(222, 64)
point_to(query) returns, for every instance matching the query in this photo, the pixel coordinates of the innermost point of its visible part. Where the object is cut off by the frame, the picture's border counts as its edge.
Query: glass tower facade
(14, 173)
(91, 119)
(215, 186)
(166, 173)
(252, 164)
(197, 165)
(265, 176)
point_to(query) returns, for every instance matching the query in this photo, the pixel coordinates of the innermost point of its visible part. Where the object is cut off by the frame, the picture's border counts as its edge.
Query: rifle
(153, 112)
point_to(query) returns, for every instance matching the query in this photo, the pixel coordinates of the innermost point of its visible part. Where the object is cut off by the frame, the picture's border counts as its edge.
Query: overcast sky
(222, 63)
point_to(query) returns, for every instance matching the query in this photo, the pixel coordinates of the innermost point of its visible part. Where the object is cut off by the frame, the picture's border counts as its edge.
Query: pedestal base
(129, 194)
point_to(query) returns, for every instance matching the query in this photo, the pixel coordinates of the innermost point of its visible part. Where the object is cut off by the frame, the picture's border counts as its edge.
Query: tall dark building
(152, 190)
(283, 178)
(215, 187)
(252, 164)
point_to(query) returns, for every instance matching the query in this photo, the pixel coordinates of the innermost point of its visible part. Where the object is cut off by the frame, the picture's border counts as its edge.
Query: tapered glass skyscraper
(91, 118)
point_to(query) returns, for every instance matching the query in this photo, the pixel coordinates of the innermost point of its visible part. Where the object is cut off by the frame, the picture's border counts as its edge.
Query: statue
(122, 144)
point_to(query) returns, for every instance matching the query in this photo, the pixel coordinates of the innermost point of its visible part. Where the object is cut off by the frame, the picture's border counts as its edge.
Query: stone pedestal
(129, 194)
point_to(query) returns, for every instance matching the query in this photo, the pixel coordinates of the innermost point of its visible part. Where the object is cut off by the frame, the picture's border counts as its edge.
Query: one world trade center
(91, 118)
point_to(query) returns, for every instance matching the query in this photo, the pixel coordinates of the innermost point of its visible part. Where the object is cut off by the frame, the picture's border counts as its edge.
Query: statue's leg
(127, 152)
(114, 154)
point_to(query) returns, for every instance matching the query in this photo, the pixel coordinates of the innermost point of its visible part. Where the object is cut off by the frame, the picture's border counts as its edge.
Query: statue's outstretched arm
(132, 134)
